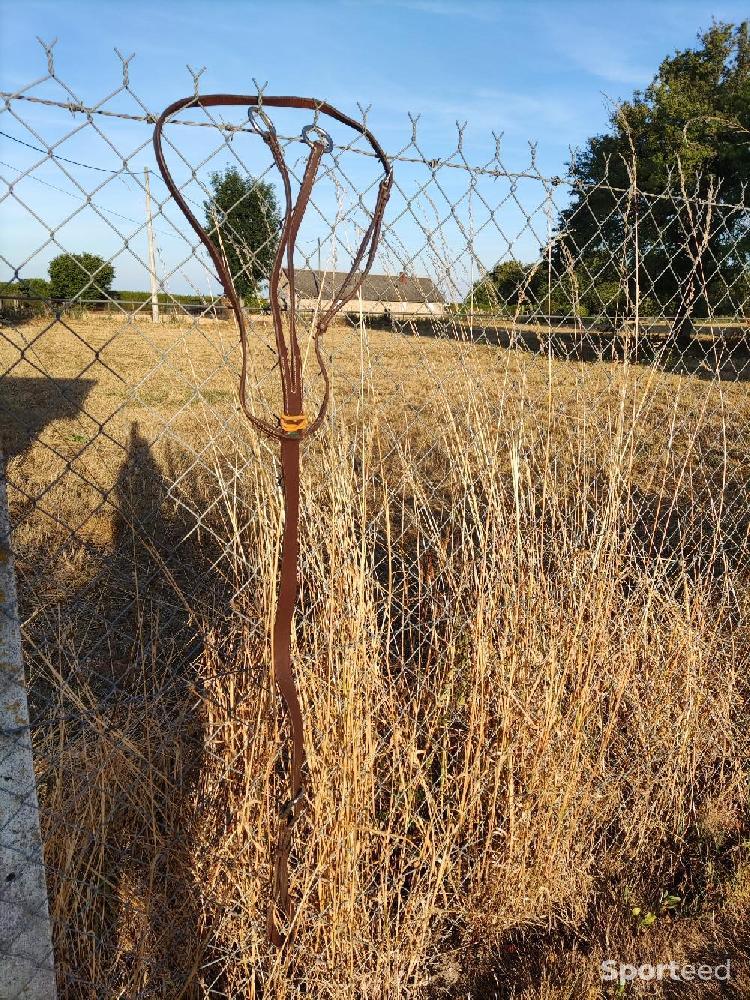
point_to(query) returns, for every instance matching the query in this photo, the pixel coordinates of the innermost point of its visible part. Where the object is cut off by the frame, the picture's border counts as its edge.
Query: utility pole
(151, 254)
(471, 276)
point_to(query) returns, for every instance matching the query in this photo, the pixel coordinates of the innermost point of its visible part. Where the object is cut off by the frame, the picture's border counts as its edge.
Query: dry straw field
(522, 648)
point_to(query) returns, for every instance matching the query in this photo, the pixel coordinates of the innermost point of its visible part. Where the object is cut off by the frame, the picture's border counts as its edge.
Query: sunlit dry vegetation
(522, 647)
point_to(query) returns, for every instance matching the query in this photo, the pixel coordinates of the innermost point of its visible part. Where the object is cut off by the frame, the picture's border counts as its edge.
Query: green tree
(502, 288)
(512, 287)
(80, 276)
(689, 132)
(243, 222)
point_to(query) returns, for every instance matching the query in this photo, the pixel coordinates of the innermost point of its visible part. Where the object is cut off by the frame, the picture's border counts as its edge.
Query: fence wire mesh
(538, 365)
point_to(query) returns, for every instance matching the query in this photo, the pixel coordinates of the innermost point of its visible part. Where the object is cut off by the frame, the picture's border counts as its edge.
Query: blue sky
(539, 70)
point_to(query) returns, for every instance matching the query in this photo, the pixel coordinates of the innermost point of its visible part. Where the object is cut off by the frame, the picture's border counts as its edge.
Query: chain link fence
(560, 363)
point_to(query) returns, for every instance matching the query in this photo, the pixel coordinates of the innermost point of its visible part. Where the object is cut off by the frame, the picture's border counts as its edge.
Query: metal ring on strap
(324, 136)
(255, 113)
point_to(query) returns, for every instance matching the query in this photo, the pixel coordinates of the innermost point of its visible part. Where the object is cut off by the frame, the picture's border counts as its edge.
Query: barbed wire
(475, 170)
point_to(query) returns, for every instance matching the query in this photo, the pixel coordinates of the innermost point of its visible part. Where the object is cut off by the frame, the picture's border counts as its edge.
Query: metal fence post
(26, 957)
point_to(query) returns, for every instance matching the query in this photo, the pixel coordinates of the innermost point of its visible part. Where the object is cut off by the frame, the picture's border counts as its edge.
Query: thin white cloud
(486, 109)
(452, 8)
(599, 49)
(610, 65)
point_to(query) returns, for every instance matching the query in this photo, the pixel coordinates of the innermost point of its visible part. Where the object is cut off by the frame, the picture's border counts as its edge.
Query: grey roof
(375, 287)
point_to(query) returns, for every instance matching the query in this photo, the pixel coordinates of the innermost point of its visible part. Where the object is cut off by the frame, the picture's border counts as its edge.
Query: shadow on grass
(29, 405)
(129, 656)
(723, 353)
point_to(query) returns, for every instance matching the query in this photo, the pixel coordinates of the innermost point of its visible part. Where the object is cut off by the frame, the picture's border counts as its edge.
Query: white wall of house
(372, 307)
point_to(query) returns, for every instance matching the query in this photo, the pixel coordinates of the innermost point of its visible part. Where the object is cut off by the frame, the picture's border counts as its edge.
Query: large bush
(80, 276)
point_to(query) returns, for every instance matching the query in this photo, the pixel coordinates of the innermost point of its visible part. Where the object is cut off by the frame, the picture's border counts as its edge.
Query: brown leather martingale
(294, 426)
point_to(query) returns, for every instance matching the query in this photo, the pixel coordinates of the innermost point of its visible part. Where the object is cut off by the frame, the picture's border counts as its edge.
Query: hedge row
(31, 297)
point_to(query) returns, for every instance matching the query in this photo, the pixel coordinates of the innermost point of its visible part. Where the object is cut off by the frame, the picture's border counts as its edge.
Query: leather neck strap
(293, 426)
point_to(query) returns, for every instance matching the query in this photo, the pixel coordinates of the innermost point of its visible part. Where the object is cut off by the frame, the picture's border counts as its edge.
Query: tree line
(242, 218)
(646, 226)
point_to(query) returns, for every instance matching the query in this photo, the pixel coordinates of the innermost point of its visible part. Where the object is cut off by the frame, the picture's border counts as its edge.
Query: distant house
(379, 295)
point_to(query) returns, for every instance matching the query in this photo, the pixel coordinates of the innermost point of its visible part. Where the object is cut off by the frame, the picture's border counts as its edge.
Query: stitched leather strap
(293, 425)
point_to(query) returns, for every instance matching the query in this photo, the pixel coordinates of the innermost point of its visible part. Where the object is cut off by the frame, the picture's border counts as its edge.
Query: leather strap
(293, 426)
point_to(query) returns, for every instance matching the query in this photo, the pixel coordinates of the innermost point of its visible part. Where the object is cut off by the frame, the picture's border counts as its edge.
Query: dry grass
(522, 650)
